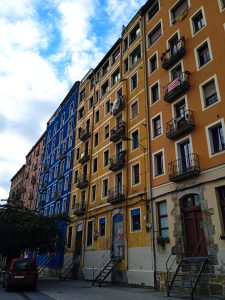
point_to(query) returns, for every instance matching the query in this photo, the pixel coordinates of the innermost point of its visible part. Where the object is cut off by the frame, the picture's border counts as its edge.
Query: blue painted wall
(56, 167)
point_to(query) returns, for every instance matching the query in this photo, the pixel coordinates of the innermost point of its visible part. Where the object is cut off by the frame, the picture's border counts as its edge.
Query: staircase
(106, 267)
(188, 272)
(66, 272)
(43, 263)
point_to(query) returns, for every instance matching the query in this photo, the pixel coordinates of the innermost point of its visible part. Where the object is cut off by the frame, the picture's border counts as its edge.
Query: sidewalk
(83, 290)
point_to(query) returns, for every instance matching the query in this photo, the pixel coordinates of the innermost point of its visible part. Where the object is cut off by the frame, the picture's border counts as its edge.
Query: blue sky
(46, 45)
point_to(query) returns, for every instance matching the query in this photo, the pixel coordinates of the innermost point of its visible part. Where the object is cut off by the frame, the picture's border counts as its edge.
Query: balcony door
(184, 156)
(195, 243)
(85, 171)
(117, 236)
(119, 183)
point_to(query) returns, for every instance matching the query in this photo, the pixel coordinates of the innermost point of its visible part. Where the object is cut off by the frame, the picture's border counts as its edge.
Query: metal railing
(85, 133)
(116, 194)
(173, 53)
(117, 161)
(118, 105)
(179, 83)
(118, 131)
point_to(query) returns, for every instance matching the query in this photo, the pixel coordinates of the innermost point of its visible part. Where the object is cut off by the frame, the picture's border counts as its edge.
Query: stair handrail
(43, 266)
(66, 269)
(171, 265)
(105, 261)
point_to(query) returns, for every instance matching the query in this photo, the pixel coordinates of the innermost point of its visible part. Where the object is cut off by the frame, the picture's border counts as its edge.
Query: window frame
(132, 115)
(150, 92)
(196, 51)
(153, 30)
(99, 226)
(132, 88)
(160, 216)
(90, 245)
(155, 175)
(209, 138)
(192, 24)
(132, 230)
(133, 183)
(202, 96)
(150, 72)
(155, 13)
(133, 140)
(104, 195)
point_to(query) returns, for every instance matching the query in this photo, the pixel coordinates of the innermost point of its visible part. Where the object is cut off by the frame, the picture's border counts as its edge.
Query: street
(49, 289)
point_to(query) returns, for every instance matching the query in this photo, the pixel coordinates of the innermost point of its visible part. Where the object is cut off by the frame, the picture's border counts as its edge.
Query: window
(70, 125)
(135, 55)
(70, 141)
(48, 195)
(93, 193)
(74, 201)
(203, 55)
(68, 161)
(153, 9)
(102, 226)
(95, 165)
(56, 171)
(64, 206)
(78, 154)
(135, 138)
(179, 11)
(107, 107)
(153, 63)
(90, 105)
(82, 95)
(156, 124)
(105, 68)
(115, 76)
(55, 128)
(89, 233)
(221, 194)
(216, 138)
(66, 183)
(126, 65)
(116, 56)
(209, 93)
(83, 197)
(60, 188)
(96, 96)
(198, 21)
(91, 83)
(75, 176)
(154, 92)
(81, 113)
(53, 145)
(61, 136)
(135, 174)
(97, 76)
(57, 209)
(96, 116)
(133, 82)
(176, 72)
(154, 35)
(125, 44)
(134, 109)
(158, 164)
(69, 237)
(51, 210)
(222, 4)
(106, 158)
(106, 133)
(105, 185)
(105, 88)
(135, 219)
(163, 219)
(134, 33)
(96, 139)
(71, 111)
(62, 119)
(53, 190)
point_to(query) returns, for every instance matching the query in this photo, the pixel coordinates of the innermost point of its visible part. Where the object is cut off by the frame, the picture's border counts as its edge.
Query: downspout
(149, 187)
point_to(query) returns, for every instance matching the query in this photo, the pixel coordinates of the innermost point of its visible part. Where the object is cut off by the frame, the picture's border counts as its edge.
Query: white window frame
(174, 104)
(105, 138)
(220, 6)
(147, 20)
(105, 166)
(99, 225)
(197, 56)
(150, 92)
(104, 196)
(105, 113)
(149, 63)
(174, 67)
(153, 161)
(135, 231)
(94, 172)
(180, 141)
(152, 126)
(132, 103)
(64, 205)
(131, 89)
(92, 201)
(131, 135)
(132, 174)
(171, 8)
(207, 128)
(152, 29)
(192, 22)
(93, 225)
(202, 93)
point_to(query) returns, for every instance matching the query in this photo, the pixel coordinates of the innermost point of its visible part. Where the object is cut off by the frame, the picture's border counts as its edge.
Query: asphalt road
(49, 289)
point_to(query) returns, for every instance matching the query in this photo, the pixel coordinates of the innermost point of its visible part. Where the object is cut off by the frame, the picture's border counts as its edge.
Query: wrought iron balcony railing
(118, 161)
(118, 105)
(177, 87)
(180, 125)
(116, 194)
(118, 132)
(85, 134)
(184, 168)
(173, 54)
(79, 209)
(82, 181)
(84, 157)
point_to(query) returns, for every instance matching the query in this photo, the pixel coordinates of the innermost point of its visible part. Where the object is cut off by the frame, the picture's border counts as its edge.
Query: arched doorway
(195, 243)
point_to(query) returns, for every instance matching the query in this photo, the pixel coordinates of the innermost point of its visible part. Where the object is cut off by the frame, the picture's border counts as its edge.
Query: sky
(47, 45)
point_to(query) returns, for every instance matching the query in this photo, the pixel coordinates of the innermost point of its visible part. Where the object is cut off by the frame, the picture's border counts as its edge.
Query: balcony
(60, 175)
(118, 161)
(79, 209)
(82, 181)
(183, 168)
(173, 54)
(180, 125)
(57, 196)
(118, 105)
(177, 87)
(84, 157)
(85, 134)
(116, 194)
(118, 132)
(43, 187)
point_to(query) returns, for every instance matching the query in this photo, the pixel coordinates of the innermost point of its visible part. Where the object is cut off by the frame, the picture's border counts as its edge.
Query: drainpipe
(149, 187)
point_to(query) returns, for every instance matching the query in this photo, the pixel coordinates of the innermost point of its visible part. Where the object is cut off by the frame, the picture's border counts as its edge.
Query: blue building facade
(56, 167)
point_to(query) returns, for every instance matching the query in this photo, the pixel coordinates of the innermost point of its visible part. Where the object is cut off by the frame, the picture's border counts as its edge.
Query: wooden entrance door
(193, 226)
